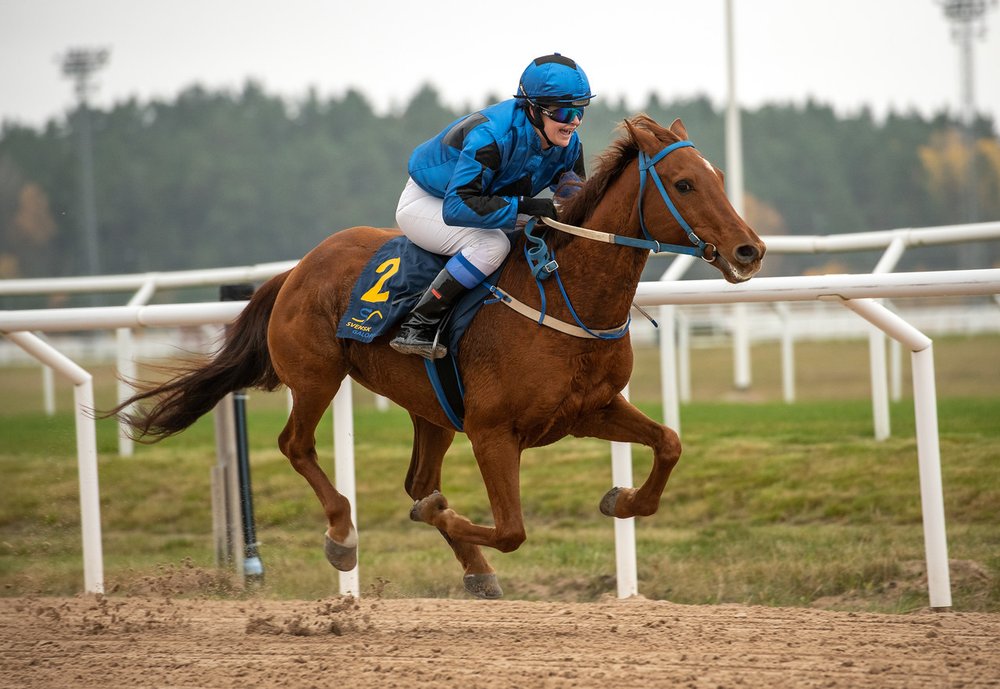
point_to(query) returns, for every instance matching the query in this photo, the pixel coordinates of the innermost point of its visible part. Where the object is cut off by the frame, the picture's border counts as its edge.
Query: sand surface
(156, 641)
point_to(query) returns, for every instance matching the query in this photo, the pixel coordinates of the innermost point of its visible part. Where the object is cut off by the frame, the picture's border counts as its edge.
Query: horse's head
(677, 175)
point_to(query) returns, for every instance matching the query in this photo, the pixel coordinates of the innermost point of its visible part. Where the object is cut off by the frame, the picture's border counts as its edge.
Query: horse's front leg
(430, 442)
(499, 457)
(620, 421)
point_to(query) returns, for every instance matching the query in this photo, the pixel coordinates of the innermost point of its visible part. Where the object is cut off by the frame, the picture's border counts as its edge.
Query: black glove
(543, 208)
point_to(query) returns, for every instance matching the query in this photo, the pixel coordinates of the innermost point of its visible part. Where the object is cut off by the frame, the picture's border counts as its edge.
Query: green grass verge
(771, 503)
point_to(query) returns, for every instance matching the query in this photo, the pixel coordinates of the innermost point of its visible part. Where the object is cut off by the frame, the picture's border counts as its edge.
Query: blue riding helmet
(554, 80)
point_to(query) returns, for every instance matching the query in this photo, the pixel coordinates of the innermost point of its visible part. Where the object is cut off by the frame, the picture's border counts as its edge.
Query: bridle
(541, 260)
(700, 249)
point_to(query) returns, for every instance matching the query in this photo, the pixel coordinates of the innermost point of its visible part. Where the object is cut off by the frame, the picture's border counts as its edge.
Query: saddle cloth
(388, 288)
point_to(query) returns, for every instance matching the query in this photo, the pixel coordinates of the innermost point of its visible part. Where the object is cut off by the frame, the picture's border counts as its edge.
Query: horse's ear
(642, 137)
(677, 127)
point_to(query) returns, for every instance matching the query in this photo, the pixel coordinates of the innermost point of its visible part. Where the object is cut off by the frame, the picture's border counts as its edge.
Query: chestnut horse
(286, 335)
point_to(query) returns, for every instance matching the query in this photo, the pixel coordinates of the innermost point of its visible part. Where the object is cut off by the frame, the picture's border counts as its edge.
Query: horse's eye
(684, 186)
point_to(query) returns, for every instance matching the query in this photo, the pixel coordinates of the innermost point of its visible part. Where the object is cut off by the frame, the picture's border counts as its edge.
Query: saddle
(388, 288)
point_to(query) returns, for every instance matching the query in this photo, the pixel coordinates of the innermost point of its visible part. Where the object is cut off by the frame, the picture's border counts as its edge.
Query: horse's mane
(609, 165)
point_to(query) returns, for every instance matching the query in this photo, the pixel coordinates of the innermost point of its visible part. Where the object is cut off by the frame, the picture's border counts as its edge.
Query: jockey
(471, 182)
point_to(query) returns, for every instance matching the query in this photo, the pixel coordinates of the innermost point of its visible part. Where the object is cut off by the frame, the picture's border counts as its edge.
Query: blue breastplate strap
(536, 253)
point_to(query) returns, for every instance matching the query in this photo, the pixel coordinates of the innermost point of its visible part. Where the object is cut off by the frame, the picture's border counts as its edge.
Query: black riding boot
(420, 329)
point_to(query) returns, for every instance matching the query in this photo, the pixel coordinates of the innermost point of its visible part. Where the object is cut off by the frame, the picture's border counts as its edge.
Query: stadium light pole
(967, 18)
(80, 64)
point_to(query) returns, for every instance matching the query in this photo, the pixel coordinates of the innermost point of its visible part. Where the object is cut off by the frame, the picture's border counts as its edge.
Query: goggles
(562, 115)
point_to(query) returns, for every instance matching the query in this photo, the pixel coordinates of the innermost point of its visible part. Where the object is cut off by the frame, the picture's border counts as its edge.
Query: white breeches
(419, 216)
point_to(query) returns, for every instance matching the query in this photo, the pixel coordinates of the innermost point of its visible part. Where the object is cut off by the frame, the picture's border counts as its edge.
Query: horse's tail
(242, 362)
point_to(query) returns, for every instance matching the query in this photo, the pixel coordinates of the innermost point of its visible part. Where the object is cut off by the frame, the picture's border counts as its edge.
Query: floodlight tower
(80, 64)
(968, 21)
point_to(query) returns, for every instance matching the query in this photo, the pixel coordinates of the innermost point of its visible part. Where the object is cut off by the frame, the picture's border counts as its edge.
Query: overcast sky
(882, 53)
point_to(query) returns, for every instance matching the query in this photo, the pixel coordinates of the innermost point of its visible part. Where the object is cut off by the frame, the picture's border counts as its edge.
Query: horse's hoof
(343, 556)
(483, 585)
(609, 500)
(435, 502)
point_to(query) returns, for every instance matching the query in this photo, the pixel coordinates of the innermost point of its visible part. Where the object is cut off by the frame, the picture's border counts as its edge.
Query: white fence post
(126, 371)
(787, 352)
(931, 490)
(48, 391)
(683, 358)
(127, 368)
(879, 378)
(625, 558)
(343, 450)
(86, 448)
(741, 348)
(928, 444)
(668, 368)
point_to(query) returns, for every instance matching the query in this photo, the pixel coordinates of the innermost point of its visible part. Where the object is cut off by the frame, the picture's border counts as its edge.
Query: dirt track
(106, 642)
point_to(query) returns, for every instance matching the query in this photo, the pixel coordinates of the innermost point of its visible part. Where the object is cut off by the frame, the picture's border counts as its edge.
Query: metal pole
(968, 18)
(79, 64)
(734, 136)
(253, 567)
(87, 200)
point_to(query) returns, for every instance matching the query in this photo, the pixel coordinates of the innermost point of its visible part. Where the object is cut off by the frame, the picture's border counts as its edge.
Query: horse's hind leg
(499, 456)
(430, 442)
(310, 400)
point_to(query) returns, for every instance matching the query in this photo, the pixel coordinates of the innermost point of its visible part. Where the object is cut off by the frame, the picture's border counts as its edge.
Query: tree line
(223, 178)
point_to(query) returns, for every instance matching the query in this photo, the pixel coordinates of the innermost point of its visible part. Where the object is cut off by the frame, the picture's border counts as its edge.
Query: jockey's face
(559, 133)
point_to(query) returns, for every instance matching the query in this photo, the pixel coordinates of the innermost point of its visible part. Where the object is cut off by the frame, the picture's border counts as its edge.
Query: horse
(286, 335)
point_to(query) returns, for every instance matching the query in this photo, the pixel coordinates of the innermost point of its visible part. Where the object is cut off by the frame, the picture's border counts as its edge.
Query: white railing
(856, 292)
(675, 372)
(674, 339)
(17, 324)
(143, 287)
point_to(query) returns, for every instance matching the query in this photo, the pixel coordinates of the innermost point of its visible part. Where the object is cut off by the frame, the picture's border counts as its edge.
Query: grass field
(772, 503)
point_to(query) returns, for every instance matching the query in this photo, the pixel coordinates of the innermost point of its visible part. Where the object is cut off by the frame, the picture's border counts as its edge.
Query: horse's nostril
(747, 253)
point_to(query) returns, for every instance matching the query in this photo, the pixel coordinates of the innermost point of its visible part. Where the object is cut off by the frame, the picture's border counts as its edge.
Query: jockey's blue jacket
(482, 163)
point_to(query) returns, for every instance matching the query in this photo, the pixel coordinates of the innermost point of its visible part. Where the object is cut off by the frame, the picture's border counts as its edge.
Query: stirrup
(428, 350)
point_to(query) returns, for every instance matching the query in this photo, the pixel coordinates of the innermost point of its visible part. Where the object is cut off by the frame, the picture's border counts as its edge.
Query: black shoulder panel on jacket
(456, 137)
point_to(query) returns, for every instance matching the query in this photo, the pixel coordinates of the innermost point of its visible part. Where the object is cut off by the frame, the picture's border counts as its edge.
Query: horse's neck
(600, 279)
